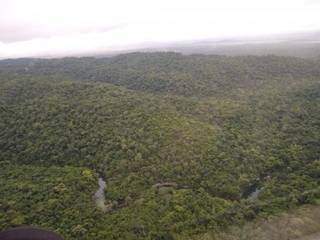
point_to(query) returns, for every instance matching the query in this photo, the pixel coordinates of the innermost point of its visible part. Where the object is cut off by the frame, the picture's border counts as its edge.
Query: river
(99, 195)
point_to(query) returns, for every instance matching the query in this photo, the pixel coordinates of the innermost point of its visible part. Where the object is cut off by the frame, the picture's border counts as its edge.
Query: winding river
(99, 195)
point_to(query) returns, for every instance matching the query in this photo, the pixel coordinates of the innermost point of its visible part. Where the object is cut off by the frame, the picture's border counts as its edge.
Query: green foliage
(182, 142)
(56, 198)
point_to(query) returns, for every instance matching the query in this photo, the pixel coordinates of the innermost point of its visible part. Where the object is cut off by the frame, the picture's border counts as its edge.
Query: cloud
(45, 27)
(24, 20)
(16, 33)
(312, 2)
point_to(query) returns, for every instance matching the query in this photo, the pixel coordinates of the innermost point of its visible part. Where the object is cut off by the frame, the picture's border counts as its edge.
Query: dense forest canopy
(186, 144)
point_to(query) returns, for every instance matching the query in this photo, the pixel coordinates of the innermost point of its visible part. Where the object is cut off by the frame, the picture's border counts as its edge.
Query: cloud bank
(57, 28)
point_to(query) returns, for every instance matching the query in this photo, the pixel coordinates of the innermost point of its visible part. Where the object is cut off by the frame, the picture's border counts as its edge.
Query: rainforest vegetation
(186, 144)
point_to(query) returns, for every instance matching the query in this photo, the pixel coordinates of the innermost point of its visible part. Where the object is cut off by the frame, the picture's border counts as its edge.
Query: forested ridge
(186, 144)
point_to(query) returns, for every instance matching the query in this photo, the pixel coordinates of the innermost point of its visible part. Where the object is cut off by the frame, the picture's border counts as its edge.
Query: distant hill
(297, 44)
(305, 44)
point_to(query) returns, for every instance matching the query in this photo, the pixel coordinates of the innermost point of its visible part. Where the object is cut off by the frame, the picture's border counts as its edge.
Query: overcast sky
(63, 27)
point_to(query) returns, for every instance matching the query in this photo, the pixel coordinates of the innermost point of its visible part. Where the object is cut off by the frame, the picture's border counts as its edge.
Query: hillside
(185, 144)
(299, 224)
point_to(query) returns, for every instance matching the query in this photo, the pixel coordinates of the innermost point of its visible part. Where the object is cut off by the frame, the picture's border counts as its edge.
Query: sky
(35, 28)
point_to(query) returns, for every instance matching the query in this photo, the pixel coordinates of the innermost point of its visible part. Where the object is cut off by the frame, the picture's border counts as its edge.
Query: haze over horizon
(60, 28)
